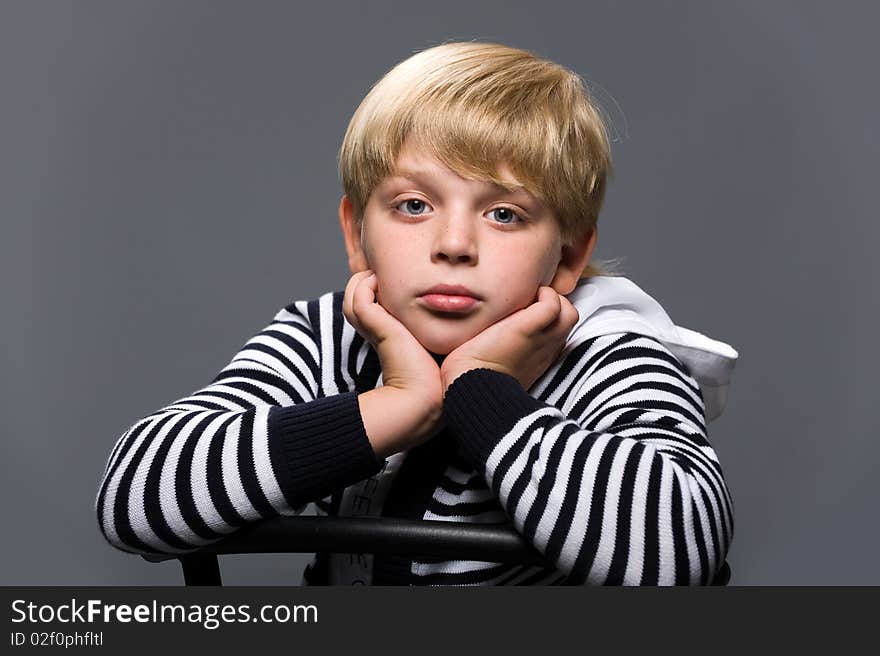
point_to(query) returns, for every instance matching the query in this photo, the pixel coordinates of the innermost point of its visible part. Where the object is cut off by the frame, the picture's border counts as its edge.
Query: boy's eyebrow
(426, 176)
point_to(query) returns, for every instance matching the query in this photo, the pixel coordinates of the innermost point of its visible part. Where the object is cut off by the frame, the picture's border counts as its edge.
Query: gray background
(168, 181)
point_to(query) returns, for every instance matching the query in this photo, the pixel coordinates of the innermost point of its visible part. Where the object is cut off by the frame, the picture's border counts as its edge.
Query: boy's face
(425, 226)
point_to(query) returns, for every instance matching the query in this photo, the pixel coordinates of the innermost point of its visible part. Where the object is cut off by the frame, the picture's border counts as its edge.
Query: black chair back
(376, 535)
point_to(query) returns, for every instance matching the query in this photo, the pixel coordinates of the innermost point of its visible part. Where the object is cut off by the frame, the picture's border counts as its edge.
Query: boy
(477, 367)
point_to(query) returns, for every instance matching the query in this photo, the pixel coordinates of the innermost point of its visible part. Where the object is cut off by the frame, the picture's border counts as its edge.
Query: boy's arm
(255, 443)
(620, 485)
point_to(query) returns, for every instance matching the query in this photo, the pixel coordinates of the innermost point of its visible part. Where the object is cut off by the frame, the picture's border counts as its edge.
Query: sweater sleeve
(607, 470)
(257, 442)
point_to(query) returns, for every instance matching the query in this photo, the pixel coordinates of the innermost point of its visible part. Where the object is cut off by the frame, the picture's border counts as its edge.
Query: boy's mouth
(450, 298)
(453, 290)
(449, 302)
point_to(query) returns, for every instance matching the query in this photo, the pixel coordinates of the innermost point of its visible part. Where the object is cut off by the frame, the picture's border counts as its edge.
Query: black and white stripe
(614, 482)
(609, 473)
(198, 469)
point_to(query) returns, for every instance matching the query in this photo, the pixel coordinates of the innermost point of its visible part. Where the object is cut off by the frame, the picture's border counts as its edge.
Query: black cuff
(481, 406)
(320, 446)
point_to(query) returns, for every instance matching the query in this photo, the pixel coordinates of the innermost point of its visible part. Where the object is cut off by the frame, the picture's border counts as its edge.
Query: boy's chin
(441, 341)
(439, 349)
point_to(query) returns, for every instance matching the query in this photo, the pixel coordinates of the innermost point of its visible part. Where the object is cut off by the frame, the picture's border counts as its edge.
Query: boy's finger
(568, 313)
(565, 320)
(346, 300)
(351, 295)
(379, 325)
(348, 296)
(370, 314)
(363, 295)
(349, 290)
(545, 312)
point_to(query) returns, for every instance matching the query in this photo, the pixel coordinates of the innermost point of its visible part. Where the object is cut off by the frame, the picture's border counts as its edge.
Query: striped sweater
(603, 464)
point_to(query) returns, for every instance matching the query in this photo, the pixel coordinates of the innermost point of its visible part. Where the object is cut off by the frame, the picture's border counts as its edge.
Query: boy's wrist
(395, 419)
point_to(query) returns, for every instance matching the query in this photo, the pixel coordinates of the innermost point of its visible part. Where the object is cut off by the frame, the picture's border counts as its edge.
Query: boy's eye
(504, 215)
(505, 212)
(417, 204)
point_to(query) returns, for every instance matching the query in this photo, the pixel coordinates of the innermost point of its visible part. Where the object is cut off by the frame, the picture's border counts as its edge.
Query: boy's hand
(406, 364)
(408, 409)
(523, 344)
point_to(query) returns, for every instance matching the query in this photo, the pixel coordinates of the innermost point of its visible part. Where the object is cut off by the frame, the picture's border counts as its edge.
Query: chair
(377, 535)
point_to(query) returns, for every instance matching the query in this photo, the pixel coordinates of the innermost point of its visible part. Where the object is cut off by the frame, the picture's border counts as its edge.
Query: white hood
(615, 304)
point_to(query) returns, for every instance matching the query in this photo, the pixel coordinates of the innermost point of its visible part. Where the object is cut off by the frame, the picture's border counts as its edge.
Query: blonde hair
(473, 105)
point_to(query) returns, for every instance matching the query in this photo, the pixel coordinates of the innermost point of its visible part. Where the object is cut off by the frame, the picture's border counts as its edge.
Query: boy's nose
(456, 239)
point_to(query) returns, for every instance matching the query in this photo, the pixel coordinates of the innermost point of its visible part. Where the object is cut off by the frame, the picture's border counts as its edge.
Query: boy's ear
(357, 261)
(574, 260)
